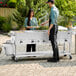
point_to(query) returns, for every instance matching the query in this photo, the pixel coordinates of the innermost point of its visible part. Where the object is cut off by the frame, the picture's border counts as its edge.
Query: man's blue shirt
(54, 15)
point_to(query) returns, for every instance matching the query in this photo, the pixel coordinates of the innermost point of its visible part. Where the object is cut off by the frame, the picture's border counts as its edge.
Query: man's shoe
(52, 60)
(58, 60)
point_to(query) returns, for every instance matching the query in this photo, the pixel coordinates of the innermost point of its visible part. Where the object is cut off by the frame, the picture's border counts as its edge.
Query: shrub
(2, 21)
(12, 3)
(43, 28)
(6, 27)
(18, 19)
(5, 24)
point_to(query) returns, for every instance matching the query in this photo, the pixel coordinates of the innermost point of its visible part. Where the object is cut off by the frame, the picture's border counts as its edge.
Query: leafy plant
(6, 23)
(67, 9)
(12, 3)
(74, 24)
(23, 7)
(18, 19)
(3, 3)
(6, 27)
(2, 20)
(43, 28)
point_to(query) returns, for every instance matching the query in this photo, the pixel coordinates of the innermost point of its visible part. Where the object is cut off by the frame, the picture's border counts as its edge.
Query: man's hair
(52, 2)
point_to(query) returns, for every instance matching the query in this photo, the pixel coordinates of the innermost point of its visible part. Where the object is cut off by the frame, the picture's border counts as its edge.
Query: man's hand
(48, 32)
(35, 26)
(45, 23)
(29, 27)
(50, 29)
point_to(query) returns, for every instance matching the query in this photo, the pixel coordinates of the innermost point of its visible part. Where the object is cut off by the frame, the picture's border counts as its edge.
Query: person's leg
(33, 47)
(28, 49)
(55, 47)
(53, 39)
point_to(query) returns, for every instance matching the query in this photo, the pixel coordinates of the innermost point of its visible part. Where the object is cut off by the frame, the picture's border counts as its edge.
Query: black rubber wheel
(13, 58)
(70, 57)
(65, 55)
(0, 50)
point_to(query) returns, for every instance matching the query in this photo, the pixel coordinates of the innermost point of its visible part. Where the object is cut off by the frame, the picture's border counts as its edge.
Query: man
(53, 29)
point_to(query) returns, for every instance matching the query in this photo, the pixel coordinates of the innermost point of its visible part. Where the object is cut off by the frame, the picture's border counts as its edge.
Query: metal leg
(64, 49)
(16, 60)
(70, 57)
(75, 44)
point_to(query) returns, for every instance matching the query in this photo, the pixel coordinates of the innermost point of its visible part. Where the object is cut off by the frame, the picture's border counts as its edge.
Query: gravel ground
(8, 67)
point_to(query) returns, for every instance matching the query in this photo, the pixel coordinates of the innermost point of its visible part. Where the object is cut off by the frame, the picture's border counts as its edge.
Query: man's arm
(53, 16)
(45, 22)
(51, 25)
(29, 27)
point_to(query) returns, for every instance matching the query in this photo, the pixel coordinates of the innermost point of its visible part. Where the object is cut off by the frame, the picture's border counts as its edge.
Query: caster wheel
(65, 55)
(70, 57)
(0, 50)
(13, 58)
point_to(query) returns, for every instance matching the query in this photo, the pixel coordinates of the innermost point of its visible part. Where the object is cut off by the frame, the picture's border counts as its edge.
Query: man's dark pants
(53, 39)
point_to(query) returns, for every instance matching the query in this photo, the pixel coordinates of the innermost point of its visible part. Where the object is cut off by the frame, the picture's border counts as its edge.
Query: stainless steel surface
(19, 40)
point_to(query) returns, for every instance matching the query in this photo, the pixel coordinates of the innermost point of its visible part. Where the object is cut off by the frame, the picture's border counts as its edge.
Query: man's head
(50, 2)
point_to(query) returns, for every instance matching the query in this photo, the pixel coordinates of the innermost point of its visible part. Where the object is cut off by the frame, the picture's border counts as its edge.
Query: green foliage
(67, 9)
(5, 24)
(12, 3)
(18, 19)
(63, 21)
(6, 27)
(20, 3)
(39, 7)
(2, 20)
(74, 24)
(23, 7)
(43, 28)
